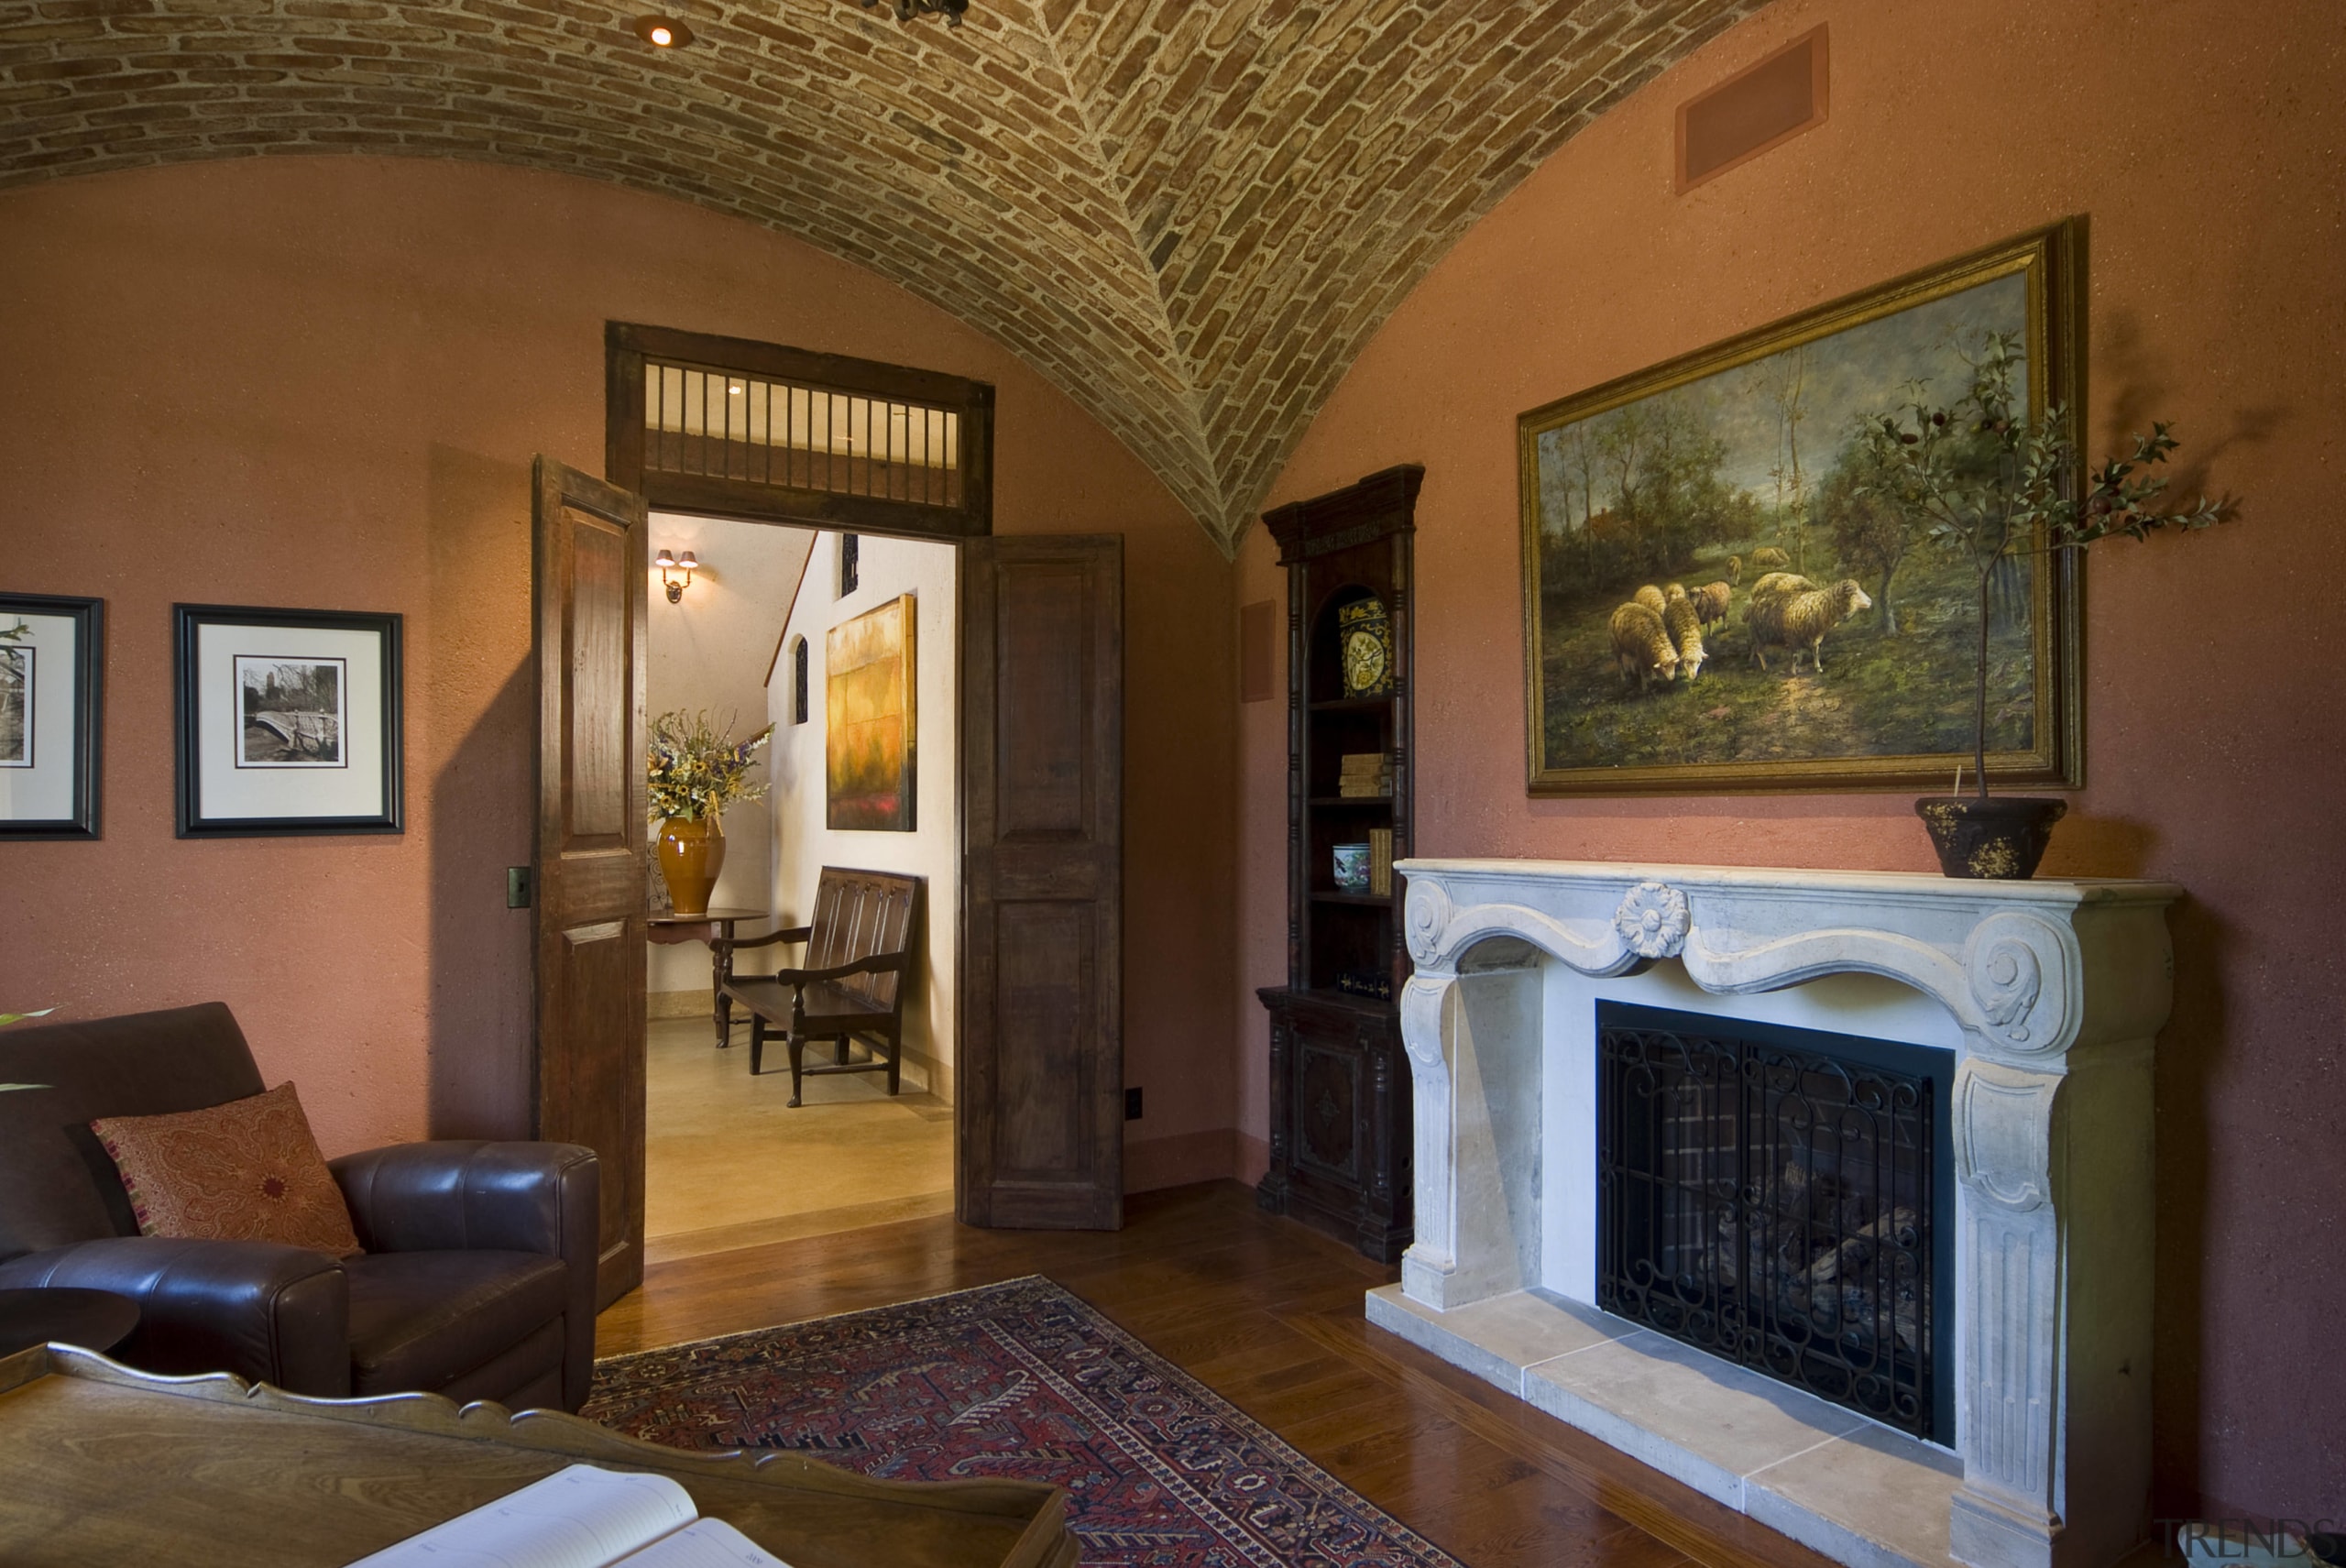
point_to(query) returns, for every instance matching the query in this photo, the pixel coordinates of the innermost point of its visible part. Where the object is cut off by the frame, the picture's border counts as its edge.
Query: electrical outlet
(1132, 1104)
(517, 887)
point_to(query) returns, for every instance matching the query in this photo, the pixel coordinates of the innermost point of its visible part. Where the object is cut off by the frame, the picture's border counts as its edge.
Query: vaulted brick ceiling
(1190, 214)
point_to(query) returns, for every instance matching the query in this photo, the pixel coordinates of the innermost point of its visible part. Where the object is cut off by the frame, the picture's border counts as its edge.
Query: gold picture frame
(1653, 481)
(869, 686)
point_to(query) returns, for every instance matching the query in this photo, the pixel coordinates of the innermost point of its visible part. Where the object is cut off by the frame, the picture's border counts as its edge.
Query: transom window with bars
(800, 437)
(729, 425)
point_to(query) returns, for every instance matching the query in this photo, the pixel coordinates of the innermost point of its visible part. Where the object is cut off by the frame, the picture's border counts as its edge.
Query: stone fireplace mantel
(2048, 993)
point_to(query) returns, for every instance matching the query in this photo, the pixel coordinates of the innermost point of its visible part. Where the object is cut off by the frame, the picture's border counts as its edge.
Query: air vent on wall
(1762, 106)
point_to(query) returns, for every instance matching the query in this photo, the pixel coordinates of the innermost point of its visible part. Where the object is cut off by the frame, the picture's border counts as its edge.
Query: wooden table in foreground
(107, 1464)
(714, 927)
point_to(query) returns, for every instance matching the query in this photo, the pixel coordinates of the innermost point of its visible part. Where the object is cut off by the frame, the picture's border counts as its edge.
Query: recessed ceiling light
(663, 32)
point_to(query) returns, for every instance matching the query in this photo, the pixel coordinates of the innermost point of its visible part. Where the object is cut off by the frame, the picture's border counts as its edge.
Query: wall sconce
(669, 564)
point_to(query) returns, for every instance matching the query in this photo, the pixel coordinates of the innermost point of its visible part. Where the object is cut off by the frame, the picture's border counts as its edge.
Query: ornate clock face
(1363, 662)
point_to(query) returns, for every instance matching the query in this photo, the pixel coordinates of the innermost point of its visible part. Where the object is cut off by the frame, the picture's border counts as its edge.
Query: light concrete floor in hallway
(729, 1164)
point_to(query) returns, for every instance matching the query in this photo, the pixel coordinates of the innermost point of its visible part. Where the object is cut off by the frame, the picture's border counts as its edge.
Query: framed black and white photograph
(290, 712)
(288, 721)
(52, 668)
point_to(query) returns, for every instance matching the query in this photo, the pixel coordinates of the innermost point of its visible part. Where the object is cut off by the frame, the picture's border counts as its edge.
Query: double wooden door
(1040, 1115)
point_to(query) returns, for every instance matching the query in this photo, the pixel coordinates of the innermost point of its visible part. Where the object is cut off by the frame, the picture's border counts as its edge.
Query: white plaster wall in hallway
(711, 650)
(805, 844)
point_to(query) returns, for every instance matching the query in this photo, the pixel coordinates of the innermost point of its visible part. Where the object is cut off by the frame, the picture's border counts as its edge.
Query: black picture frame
(329, 753)
(83, 736)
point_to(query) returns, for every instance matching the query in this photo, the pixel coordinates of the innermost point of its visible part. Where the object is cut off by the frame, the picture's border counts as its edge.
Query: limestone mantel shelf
(2053, 990)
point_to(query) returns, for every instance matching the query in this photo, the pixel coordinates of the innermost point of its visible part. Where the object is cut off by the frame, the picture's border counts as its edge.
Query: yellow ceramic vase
(692, 852)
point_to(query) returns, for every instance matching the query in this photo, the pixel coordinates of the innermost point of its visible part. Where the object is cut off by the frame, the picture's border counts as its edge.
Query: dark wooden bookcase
(1339, 1086)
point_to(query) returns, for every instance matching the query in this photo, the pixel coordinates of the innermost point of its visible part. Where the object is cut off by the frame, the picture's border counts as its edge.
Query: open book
(581, 1517)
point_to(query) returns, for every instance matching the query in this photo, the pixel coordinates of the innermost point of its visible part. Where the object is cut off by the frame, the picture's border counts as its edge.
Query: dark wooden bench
(852, 987)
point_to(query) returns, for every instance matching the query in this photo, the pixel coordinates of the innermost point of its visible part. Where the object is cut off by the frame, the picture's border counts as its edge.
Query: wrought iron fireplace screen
(1769, 1195)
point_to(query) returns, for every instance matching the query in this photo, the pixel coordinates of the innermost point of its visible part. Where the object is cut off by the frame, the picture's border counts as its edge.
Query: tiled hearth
(2049, 993)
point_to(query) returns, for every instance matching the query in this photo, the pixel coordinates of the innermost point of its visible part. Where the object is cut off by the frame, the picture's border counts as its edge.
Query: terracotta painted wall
(320, 382)
(2203, 141)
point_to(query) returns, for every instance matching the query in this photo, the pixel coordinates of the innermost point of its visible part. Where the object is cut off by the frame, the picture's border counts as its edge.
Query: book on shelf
(1369, 982)
(1380, 861)
(1364, 774)
(581, 1517)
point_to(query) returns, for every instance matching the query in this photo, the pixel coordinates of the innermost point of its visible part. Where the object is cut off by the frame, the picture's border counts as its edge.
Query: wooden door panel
(600, 1108)
(1041, 1112)
(594, 692)
(588, 575)
(1043, 634)
(1044, 957)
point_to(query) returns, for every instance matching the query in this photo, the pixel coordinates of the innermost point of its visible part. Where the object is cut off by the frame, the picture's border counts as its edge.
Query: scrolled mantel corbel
(2023, 981)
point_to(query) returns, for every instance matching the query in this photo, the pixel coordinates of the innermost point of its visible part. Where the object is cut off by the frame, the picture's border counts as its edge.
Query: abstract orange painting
(868, 712)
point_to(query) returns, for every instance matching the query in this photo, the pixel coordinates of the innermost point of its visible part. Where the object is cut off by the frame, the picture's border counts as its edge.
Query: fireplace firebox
(1774, 1195)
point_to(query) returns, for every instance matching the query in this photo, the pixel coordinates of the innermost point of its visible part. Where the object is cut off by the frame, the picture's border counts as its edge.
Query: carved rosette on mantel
(2056, 991)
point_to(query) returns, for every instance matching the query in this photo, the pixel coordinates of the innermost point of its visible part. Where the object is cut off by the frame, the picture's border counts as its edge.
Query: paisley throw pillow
(245, 1171)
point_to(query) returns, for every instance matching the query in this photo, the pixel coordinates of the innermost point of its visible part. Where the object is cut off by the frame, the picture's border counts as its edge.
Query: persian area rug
(1019, 1381)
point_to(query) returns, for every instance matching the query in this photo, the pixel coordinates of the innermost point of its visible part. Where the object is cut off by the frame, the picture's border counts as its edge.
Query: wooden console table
(105, 1464)
(714, 926)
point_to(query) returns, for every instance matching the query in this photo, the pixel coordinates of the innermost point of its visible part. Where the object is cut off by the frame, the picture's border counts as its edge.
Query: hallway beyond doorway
(729, 1164)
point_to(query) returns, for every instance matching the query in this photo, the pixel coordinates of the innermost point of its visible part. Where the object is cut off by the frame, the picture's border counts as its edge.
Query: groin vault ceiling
(1189, 214)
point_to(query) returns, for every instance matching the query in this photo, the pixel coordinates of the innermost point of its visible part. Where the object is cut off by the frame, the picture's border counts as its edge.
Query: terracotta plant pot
(692, 852)
(1999, 837)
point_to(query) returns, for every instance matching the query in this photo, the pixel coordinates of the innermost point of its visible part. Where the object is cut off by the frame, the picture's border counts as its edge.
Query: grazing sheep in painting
(1650, 597)
(1776, 585)
(1685, 628)
(1641, 648)
(1711, 602)
(1769, 558)
(1734, 570)
(1802, 619)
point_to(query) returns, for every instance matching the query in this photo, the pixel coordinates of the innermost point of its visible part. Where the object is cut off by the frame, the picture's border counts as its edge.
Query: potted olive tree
(1984, 481)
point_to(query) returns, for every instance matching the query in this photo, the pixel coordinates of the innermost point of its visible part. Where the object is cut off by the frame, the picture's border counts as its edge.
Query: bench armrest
(268, 1313)
(795, 934)
(878, 963)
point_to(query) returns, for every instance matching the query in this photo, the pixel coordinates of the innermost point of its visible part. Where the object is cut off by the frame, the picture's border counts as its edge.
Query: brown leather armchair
(478, 1280)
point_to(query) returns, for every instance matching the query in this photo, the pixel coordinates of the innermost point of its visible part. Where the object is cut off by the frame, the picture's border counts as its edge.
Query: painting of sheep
(1641, 646)
(1799, 621)
(1721, 593)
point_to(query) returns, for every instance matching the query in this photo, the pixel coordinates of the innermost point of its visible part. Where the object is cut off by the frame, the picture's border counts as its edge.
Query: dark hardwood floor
(1268, 1314)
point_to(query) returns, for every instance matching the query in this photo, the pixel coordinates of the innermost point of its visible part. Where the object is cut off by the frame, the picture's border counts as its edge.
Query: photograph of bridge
(16, 708)
(290, 712)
